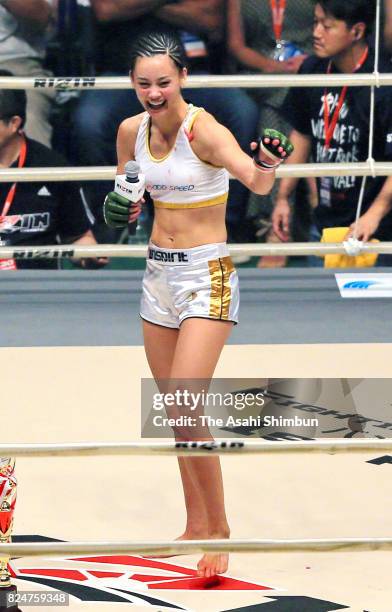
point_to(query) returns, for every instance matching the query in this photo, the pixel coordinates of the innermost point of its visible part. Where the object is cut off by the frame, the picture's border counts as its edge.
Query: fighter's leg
(7, 507)
(198, 348)
(160, 345)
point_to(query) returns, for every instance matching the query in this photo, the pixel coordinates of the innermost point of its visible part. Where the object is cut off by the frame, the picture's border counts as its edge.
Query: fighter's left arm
(216, 145)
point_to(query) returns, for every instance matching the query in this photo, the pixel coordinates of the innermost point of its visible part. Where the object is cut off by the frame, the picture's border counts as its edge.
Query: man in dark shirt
(200, 26)
(42, 212)
(332, 124)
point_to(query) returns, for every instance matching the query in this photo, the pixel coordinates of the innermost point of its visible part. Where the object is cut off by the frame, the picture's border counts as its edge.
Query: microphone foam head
(132, 169)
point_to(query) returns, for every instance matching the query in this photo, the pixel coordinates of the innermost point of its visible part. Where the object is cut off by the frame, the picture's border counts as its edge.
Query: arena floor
(65, 380)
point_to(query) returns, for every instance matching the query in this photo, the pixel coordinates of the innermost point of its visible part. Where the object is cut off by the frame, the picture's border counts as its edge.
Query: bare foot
(187, 535)
(212, 564)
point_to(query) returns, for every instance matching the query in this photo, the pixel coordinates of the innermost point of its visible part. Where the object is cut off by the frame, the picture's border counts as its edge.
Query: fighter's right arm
(118, 211)
(281, 212)
(126, 141)
(115, 10)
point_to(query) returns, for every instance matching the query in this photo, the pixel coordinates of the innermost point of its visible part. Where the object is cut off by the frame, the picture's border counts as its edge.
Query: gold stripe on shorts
(220, 298)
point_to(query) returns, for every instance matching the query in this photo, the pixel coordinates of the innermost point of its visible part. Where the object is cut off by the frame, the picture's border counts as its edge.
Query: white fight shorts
(199, 282)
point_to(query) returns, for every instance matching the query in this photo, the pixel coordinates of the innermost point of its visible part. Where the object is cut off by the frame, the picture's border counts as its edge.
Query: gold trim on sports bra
(189, 130)
(193, 119)
(155, 159)
(221, 199)
(148, 132)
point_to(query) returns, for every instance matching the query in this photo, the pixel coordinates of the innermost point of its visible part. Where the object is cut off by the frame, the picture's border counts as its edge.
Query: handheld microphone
(130, 185)
(132, 171)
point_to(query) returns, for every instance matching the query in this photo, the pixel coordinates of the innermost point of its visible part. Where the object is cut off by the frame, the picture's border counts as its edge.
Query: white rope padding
(77, 449)
(82, 173)
(72, 549)
(251, 249)
(96, 173)
(213, 81)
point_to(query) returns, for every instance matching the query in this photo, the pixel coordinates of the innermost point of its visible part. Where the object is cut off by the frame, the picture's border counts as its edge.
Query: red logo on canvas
(126, 578)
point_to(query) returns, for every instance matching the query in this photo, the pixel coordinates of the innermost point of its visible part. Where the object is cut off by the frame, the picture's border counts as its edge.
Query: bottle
(285, 49)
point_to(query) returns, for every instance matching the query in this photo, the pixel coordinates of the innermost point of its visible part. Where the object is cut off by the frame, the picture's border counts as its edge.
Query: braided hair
(158, 43)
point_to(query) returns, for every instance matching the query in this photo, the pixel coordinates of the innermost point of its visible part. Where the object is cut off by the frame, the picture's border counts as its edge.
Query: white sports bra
(180, 179)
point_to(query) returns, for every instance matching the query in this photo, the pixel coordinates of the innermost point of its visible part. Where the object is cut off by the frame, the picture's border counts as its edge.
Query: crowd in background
(94, 37)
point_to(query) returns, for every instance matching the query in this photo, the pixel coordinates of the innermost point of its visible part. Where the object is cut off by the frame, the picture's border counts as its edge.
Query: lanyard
(329, 127)
(11, 194)
(278, 8)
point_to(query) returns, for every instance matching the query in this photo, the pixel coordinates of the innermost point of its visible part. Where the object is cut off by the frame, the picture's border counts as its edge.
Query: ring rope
(212, 81)
(96, 173)
(251, 249)
(77, 449)
(70, 549)
(377, 43)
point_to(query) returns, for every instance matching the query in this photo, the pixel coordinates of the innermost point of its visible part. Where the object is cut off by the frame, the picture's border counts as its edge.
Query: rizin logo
(122, 578)
(10, 224)
(32, 222)
(64, 83)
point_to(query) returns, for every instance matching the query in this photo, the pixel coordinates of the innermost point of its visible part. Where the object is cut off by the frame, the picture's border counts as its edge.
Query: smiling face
(157, 81)
(333, 37)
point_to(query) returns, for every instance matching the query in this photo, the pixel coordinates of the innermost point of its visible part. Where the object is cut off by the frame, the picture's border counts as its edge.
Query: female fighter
(190, 288)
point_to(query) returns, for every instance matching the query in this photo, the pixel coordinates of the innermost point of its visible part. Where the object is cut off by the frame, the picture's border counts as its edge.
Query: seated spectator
(42, 212)
(23, 25)
(200, 25)
(333, 126)
(272, 38)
